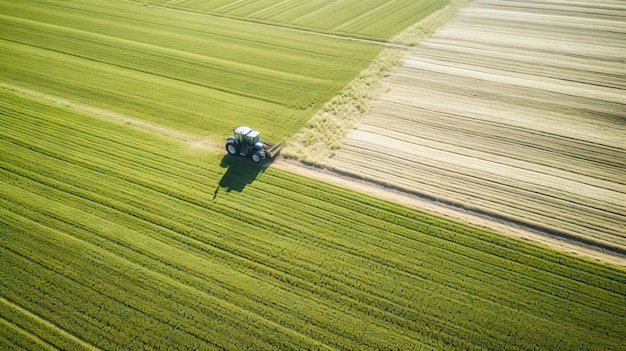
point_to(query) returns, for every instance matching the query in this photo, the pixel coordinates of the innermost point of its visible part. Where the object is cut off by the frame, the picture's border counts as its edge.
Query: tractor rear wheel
(257, 157)
(233, 148)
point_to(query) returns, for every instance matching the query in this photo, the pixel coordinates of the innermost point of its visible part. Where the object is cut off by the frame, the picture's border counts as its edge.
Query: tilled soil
(514, 111)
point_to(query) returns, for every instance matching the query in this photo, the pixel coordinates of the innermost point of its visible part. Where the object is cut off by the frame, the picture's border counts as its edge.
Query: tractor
(246, 142)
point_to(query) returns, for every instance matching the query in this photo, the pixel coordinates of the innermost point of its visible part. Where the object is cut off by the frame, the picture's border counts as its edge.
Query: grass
(321, 136)
(369, 19)
(114, 237)
(196, 73)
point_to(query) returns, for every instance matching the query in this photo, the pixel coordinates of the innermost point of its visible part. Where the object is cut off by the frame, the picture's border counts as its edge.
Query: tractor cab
(246, 136)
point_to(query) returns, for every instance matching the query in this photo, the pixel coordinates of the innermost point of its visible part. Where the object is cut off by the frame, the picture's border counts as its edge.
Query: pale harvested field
(514, 110)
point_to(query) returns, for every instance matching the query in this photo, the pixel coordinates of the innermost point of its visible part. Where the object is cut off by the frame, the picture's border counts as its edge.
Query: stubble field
(514, 111)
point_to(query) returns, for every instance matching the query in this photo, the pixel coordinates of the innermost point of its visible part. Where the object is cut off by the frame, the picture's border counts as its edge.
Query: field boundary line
(321, 136)
(554, 239)
(284, 27)
(174, 133)
(48, 324)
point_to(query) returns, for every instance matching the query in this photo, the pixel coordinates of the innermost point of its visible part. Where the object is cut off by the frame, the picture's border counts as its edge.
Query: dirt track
(407, 198)
(350, 181)
(514, 111)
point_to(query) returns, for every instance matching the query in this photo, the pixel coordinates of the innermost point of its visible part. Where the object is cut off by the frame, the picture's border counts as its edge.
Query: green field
(201, 74)
(117, 238)
(371, 19)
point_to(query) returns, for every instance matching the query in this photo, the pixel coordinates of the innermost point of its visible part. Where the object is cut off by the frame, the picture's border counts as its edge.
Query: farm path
(177, 134)
(350, 181)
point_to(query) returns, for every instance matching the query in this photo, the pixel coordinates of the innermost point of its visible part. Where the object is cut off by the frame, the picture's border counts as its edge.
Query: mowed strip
(515, 111)
(195, 73)
(127, 239)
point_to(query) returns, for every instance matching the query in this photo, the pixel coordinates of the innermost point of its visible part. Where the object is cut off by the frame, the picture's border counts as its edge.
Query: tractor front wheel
(233, 148)
(256, 157)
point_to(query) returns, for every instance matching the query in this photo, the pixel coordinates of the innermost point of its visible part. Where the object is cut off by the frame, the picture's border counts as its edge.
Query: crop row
(76, 203)
(200, 74)
(339, 218)
(101, 218)
(372, 19)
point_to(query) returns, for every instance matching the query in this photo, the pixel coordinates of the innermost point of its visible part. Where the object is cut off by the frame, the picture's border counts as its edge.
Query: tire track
(170, 132)
(291, 29)
(28, 334)
(48, 325)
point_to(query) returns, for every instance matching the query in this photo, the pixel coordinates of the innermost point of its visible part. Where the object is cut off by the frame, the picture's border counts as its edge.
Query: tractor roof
(247, 131)
(243, 130)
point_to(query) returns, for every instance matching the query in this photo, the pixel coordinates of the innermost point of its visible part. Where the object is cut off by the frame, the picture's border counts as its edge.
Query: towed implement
(246, 142)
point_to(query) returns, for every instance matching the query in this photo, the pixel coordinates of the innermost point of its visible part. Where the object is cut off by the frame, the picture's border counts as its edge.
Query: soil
(515, 113)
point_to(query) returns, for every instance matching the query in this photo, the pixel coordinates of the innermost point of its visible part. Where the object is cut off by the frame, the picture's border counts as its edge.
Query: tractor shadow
(239, 173)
